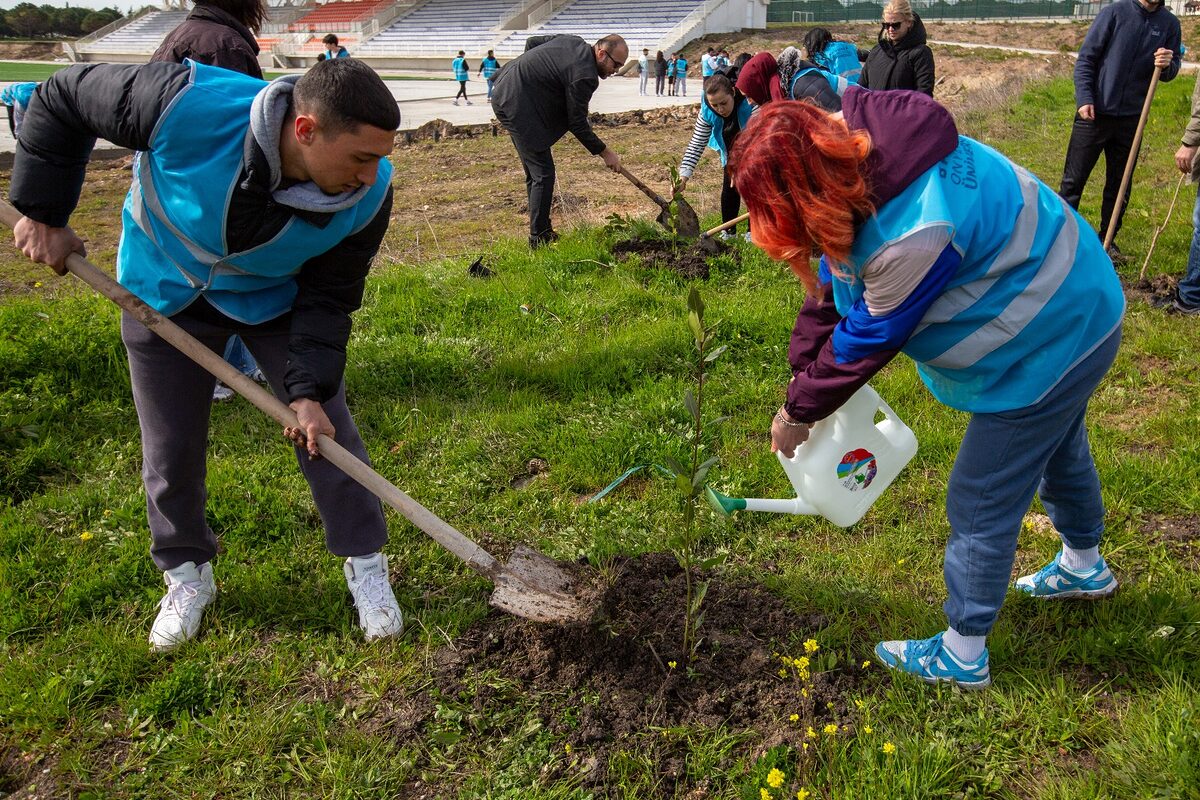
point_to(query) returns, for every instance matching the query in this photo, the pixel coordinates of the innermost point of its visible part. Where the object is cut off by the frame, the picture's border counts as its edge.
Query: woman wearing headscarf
(938, 246)
(763, 78)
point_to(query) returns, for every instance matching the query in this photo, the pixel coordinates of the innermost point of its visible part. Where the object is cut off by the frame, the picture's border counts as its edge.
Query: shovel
(686, 224)
(530, 585)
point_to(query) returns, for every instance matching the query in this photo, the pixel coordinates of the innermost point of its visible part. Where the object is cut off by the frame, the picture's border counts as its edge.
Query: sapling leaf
(715, 354)
(684, 484)
(696, 326)
(689, 400)
(677, 468)
(719, 420)
(714, 561)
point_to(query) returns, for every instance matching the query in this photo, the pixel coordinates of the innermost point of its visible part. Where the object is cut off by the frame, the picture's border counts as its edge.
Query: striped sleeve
(695, 147)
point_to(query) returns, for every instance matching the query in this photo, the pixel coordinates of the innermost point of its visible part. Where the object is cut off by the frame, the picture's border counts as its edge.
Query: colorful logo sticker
(857, 469)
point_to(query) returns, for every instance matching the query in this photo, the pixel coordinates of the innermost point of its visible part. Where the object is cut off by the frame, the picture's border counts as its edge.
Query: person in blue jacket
(840, 58)
(938, 246)
(333, 50)
(16, 99)
(488, 68)
(1125, 43)
(256, 209)
(681, 66)
(724, 113)
(462, 74)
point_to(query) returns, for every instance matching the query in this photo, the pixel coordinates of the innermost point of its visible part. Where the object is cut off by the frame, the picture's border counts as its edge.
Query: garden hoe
(686, 222)
(708, 245)
(530, 585)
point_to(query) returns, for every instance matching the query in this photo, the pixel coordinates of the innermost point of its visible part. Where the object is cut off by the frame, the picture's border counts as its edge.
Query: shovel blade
(687, 224)
(535, 587)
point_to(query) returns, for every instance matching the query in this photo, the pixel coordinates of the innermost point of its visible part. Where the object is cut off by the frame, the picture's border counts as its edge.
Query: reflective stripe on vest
(1034, 292)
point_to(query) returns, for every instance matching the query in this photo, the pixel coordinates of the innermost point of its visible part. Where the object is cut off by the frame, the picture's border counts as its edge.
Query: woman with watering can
(938, 246)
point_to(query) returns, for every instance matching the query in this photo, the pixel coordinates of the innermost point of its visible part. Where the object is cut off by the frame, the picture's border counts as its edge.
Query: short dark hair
(611, 41)
(717, 83)
(344, 93)
(251, 13)
(329, 39)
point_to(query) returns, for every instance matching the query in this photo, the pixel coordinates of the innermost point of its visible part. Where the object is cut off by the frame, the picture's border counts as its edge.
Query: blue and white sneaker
(933, 662)
(1056, 582)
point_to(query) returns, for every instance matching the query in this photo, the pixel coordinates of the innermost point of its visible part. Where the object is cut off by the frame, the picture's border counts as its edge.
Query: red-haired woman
(938, 246)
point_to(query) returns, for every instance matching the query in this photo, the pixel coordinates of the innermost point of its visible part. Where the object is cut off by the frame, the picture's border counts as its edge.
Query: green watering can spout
(723, 503)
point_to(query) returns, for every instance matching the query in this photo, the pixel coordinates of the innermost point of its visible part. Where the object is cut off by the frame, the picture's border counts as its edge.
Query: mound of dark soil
(686, 258)
(610, 686)
(1158, 290)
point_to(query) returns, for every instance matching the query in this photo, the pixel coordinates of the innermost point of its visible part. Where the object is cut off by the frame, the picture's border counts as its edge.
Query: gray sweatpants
(173, 396)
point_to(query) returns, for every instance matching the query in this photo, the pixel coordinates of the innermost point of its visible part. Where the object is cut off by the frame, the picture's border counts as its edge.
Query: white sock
(1079, 560)
(967, 648)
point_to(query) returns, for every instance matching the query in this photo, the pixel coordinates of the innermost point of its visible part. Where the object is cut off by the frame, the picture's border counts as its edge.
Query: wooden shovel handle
(1111, 231)
(440, 531)
(724, 225)
(653, 195)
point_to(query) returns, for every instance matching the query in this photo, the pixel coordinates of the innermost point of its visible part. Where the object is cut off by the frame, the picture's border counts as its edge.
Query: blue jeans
(1189, 286)
(490, 81)
(1005, 458)
(239, 357)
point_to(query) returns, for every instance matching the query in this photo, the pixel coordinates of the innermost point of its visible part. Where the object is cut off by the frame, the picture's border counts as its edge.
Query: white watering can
(846, 463)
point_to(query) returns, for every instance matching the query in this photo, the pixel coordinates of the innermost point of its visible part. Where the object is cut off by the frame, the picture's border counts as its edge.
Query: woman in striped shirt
(723, 114)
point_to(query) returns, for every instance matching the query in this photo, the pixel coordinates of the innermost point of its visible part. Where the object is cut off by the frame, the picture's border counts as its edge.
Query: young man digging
(255, 210)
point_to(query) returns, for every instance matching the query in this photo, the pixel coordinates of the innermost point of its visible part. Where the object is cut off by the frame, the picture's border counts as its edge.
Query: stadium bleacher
(143, 35)
(338, 16)
(442, 26)
(642, 24)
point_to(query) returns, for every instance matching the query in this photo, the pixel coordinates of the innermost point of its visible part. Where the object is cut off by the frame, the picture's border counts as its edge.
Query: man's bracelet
(787, 423)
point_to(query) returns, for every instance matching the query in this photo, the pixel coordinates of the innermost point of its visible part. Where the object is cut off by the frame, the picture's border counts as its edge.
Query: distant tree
(28, 20)
(98, 19)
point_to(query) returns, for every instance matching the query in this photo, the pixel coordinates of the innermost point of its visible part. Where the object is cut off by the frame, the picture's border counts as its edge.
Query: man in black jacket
(1126, 41)
(256, 209)
(220, 33)
(542, 94)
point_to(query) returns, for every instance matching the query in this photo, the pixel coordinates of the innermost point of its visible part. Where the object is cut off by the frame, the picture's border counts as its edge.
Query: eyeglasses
(616, 64)
(892, 26)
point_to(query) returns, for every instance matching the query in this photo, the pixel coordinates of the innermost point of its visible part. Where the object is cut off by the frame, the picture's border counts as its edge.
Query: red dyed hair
(800, 173)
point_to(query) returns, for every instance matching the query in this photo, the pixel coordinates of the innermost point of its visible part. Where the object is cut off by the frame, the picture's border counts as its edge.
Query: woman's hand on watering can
(312, 422)
(787, 433)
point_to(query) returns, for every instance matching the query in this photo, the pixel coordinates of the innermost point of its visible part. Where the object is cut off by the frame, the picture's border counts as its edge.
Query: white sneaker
(747, 237)
(470, 103)
(189, 591)
(378, 612)
(456, 101)
(725, 235)
(221, 393)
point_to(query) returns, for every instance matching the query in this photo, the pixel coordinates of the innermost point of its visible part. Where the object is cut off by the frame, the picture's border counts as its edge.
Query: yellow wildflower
(803, 794)
(86, 536)
(810, 733)
(866, 664)
(775, 778)
(794, 718)
(831, 729)
(671, 664)
(568, 748)
(37, 284)
(805, 745)
(867, 730)
(811, 646)
(804, 692)
(900, 563)
(783, 673)
(859, 704)
(888, 748)
(802, 662)
(764, 794)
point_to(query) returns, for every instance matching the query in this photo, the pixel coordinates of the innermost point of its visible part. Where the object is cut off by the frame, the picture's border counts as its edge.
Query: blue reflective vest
(1034, 295)
(716, 139)
(489, 66)
(681, 68)
(173, 248)
(460, 70)
(840, 58)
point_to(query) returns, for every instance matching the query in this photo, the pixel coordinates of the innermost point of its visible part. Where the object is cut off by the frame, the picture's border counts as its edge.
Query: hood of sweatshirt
(910, 132)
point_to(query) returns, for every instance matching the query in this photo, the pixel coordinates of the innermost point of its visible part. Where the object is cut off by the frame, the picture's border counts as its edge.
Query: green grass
(455, 387)
(26, 71)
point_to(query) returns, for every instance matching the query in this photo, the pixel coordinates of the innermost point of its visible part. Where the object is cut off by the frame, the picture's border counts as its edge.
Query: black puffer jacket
(908, 64)
(212, 36)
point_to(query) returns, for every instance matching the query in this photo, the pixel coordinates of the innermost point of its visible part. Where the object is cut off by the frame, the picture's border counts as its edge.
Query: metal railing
(112, 26)
(693, 19)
